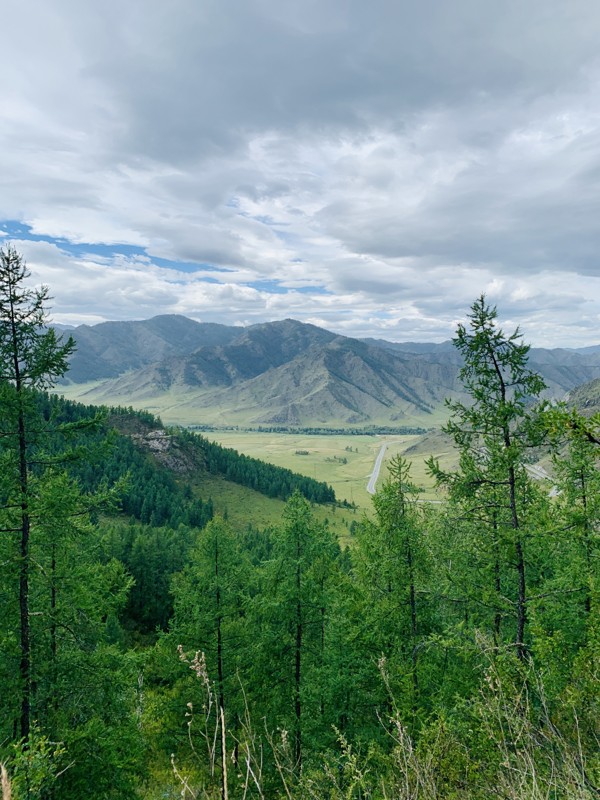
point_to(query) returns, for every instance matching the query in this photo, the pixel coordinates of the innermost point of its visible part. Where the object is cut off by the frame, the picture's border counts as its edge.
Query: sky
(370, 168)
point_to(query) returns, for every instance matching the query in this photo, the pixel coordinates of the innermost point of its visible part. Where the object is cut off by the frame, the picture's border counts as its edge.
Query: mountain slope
(345, 381)
(285, 373)
(586, 398)
(291, 374)
(109, 349)
(251, 352)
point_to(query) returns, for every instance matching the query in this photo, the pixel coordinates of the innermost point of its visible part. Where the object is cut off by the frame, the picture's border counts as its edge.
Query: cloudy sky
(368, 167)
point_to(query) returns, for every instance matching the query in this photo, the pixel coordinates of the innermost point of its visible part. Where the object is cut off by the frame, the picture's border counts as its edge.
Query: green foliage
(453, 651)
(492, 490)
(294, 612)
(265, 478)
(35, 765)
(367, 430)
(58, 592)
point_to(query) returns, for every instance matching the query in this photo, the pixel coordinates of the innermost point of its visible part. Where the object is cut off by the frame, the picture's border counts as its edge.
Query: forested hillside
(150, 649)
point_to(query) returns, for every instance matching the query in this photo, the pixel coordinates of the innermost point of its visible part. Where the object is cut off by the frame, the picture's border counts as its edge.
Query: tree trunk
(221, 698)
(25, 636)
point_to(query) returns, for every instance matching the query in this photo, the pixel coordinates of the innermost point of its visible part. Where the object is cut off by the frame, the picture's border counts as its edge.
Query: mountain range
(281, 373)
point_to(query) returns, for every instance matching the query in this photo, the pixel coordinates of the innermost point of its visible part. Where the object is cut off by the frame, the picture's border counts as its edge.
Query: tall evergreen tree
(494, 433)
(578, 492)
(294, 614)
(59, 595)
(210, 616)
(31, 357)
(390, 567)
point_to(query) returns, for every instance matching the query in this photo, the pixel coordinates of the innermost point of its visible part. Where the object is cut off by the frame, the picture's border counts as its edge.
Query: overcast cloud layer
(368, 167)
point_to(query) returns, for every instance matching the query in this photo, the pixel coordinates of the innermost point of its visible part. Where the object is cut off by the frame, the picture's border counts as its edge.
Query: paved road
(376, 468)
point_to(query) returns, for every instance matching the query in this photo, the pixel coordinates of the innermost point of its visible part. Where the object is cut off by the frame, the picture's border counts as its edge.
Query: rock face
(167, 451)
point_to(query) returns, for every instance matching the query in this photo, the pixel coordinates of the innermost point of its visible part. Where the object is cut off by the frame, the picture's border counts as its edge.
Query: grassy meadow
(344, 461)
(242, 506)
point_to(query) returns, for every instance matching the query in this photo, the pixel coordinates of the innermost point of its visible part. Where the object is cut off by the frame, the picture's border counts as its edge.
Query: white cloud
(372, 167)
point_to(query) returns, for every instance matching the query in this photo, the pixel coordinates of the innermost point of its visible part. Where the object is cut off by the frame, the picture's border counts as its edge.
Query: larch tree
(494, 432)
(57, 592)
(32, 357)
(389, 566)
(294, 613)
(210, 595)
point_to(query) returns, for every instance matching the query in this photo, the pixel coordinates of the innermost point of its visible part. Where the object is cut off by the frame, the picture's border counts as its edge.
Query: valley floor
(344, 461)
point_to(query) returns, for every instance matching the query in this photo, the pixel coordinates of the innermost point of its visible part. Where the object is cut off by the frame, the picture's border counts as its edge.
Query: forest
(150, 649)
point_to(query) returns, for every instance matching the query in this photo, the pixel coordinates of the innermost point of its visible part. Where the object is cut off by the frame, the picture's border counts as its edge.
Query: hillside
(109, 349)
(285, 372)
(586, 397)
(150, 454)
(452, 637)
(344, 382)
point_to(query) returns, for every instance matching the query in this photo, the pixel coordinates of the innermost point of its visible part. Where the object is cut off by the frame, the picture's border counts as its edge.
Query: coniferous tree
(31, 357)
(495, 432)
(578, 495)
(294, 615)
(390, 567)
(59, 596)
(210, 597)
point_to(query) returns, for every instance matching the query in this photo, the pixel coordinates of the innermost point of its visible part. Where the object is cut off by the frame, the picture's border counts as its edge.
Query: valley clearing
(352, 464)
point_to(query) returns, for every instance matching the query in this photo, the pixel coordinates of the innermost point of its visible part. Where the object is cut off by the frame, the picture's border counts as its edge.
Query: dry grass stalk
(6, 790)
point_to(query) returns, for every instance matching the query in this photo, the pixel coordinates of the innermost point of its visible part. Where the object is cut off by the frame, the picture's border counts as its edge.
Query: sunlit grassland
(344, 461)
(242, 506)
(184, 406)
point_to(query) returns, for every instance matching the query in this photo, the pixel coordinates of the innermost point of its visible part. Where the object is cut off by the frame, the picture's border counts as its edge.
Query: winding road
(376, 468)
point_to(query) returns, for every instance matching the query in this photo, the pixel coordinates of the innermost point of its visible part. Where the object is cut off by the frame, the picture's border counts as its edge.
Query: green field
(344, 461)
(243, 506)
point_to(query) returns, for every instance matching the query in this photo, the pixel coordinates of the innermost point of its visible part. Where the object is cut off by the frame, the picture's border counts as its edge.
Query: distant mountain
(420, 348)
(586, 397)
(284, 373)
(595, 348)
(251, 352)
(60, 326)
(109, 349)
(343, 381)
(563, 369)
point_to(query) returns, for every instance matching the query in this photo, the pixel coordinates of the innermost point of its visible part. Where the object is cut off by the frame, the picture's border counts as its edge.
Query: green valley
(343, 461)
(228, 614)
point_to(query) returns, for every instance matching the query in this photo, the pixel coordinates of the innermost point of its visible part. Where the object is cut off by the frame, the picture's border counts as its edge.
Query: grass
(343, 461)
(179, 406)
(242, 506)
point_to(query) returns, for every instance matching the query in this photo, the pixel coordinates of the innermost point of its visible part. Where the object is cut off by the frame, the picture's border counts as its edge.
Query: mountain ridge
(283, 372)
